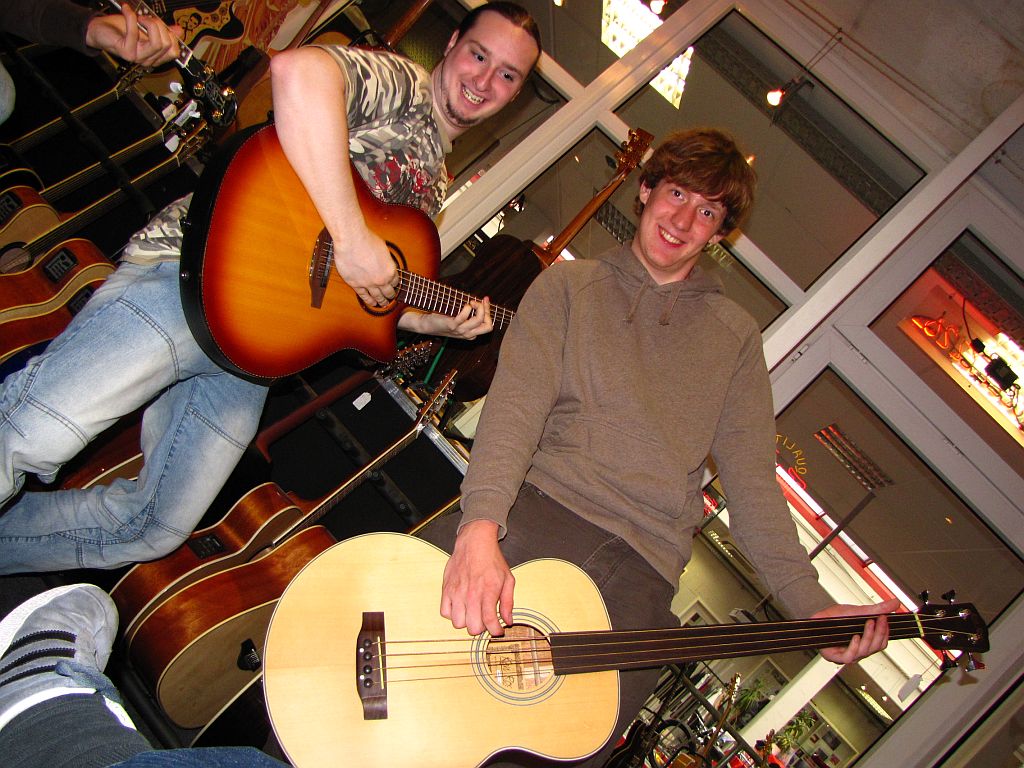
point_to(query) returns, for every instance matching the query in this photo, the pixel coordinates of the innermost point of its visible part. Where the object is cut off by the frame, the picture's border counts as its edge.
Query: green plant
(750, 694)
(791, 733)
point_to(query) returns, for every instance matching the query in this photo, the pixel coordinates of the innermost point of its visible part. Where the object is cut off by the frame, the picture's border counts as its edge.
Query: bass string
(609, 653)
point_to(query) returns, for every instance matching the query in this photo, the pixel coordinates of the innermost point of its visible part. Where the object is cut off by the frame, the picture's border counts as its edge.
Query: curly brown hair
(708, 162)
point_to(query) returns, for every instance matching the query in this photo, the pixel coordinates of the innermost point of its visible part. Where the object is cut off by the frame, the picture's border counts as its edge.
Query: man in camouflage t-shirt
(131, 342)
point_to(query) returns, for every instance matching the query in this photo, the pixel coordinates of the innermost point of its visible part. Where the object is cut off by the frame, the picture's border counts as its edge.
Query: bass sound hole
(517, 666)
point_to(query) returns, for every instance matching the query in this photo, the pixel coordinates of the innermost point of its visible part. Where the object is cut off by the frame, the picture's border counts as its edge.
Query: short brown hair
(708, 162)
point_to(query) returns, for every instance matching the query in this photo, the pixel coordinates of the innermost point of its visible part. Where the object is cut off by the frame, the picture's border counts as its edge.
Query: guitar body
(213, 19)
(254, 522)
(247, 258)
(51, 281)
(74, 272)
(310, 670)
(190, 648)
(503, 268)
(24, 215)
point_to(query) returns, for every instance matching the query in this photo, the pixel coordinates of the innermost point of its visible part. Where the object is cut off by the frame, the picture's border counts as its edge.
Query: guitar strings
(437, 296)
(449, 300)
(584, 657)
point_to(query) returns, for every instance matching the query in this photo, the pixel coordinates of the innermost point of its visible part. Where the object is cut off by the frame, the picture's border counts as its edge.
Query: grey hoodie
(610, 394)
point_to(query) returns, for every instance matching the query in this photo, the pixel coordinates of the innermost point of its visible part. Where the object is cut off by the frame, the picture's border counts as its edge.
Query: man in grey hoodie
(618, 378)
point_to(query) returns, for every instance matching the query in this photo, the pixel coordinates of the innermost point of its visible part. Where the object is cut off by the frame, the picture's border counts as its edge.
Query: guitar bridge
(320, 268)
(371, 674)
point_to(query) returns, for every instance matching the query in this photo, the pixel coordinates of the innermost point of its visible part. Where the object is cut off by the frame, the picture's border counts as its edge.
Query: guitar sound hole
(519, 662)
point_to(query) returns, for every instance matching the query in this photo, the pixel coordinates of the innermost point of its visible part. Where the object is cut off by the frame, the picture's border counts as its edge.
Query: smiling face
(482, 71)
(675, 225)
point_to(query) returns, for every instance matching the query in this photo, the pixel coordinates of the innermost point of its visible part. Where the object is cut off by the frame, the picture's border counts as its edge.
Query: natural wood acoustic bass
(358, 656)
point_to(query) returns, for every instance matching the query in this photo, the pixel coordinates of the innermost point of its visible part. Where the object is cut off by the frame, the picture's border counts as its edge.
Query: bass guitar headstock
(953, 627)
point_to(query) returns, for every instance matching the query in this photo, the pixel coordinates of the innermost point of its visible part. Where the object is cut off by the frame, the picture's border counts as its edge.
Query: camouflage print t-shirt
(394, 141)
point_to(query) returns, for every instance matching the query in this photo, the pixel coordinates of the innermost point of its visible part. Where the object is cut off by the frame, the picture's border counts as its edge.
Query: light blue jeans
(129, 345)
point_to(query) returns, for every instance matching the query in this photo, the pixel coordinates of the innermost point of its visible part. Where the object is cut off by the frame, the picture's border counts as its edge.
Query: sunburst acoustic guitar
(357, 654)
(258, 283)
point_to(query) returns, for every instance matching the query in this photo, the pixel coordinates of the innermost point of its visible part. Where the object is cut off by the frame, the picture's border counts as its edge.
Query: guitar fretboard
(432, 296)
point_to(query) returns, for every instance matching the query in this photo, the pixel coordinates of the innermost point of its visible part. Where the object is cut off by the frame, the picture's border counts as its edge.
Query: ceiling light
(777, 96)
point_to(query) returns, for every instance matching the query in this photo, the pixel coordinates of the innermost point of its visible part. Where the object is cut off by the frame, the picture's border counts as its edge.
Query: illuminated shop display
(974, 348)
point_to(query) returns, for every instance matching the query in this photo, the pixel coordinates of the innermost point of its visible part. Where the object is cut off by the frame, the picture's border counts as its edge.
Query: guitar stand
(84, 133)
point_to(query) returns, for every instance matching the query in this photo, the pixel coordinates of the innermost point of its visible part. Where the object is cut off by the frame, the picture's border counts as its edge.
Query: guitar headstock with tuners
(953, 627)
(632, 152)
(409, 358)
(218, 102)
(436, 401)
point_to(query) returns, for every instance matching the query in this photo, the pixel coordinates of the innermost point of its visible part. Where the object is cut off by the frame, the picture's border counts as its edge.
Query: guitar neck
(323, 506)
(639, 141)
(431, 296)
(68, 227)
(60, 189)
(142, 8)
(319, 509)
(576, 652)
(58, 124)
(221, 102)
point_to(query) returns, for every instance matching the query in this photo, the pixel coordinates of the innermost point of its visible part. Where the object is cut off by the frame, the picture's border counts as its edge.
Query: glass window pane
(824, 174)
(915, 527)
(741, 285)
(967, 298)
(903, 530)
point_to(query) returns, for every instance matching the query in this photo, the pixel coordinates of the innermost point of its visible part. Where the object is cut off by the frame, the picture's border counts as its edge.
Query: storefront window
(825, 175)
(901, 532)
(960, 327)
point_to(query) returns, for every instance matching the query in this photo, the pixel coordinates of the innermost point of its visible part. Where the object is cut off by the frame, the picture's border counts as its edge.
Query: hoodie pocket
(625, 470)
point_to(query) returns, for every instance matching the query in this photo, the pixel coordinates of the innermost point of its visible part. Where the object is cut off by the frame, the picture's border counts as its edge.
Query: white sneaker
(54, 644)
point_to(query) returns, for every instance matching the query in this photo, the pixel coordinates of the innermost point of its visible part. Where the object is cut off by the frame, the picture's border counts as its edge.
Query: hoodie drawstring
(663, 320)
(636, 302)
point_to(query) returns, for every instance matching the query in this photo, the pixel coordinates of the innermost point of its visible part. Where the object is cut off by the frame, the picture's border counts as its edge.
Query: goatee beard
(456, 119)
